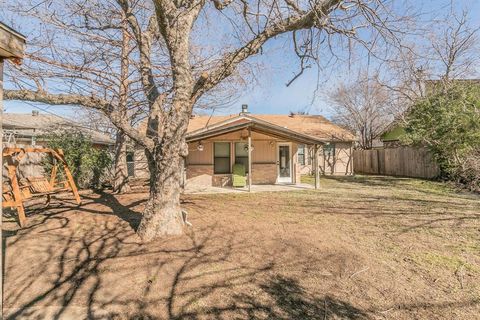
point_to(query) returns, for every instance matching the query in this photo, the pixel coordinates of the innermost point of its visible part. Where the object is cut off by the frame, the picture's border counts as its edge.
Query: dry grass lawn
(359, 248)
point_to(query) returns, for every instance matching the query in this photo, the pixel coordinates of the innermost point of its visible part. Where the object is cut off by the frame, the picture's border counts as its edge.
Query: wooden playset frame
(15, 192)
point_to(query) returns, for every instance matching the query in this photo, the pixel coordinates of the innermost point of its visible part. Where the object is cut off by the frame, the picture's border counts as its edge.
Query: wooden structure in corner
(16, 191)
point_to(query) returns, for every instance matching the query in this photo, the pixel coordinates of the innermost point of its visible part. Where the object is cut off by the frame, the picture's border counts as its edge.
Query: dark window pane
(222, 165)
(130, 156)
(301, 159)
(241, 149)
(329, 150)
(241, 154)
(221, 160)
(242, 160)
(284, 157)
(222, 149)
(301, 154)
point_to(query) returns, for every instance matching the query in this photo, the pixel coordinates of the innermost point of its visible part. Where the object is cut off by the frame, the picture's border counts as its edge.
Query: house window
(301, 154)
(130, 163)
(221, 158)
(329, 150)
(241, 154)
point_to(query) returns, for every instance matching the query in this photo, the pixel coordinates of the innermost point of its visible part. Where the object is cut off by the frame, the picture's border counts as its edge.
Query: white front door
(284, 163)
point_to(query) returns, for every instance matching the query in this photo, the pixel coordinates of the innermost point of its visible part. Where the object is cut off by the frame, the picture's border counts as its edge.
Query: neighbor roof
(313, 126)
(24, 123)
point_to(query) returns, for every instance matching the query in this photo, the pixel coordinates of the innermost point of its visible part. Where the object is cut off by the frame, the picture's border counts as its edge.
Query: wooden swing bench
(16, 191)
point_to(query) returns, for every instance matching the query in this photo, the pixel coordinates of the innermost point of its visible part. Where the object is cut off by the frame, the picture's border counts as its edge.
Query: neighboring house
(24, 129)
(392, 135)
(29, 130)
(282, 148)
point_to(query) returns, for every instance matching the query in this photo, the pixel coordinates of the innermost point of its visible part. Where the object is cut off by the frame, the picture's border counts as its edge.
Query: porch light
(200, 146)
(246, 147)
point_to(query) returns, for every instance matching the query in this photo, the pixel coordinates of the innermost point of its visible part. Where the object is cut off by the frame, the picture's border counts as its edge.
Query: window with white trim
(241, 154)
(221, 157)
(301, 154)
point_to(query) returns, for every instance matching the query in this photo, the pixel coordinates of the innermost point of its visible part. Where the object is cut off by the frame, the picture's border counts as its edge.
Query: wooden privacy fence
(400, 161)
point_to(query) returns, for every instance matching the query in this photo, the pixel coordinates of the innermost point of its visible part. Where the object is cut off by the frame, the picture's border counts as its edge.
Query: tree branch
(311, 18)
(91, 102)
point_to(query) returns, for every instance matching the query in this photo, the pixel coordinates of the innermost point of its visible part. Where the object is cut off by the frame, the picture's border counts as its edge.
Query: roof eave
(12, 43)
(257, 127)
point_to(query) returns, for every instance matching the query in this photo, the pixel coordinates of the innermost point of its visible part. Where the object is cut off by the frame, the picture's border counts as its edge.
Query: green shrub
(448, 123)
(89, 165)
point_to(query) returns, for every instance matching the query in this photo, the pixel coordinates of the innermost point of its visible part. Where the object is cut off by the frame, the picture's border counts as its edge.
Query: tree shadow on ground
(122, 211)
(289, 300)
(88, 264)
(83, 268)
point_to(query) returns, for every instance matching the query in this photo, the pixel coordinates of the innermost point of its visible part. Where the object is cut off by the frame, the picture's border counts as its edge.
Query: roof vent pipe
(244, 109)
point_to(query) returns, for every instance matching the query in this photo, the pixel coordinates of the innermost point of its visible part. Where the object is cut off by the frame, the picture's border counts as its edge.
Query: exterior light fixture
(200, 146)
(246, 147)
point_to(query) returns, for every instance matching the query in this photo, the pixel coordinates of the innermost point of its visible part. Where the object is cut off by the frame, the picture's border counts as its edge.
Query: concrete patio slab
(198, 189)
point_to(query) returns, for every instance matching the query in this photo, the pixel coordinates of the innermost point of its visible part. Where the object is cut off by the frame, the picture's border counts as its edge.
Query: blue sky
(271, 94)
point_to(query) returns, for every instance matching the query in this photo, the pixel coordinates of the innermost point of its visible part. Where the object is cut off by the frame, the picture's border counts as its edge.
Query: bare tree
(95, 60)
(444, 50)
(164, 32)
(455, 48)
(363, 106)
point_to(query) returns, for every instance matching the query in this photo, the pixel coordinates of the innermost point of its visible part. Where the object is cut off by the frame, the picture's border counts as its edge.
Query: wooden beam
(249, 159)
(317, 169)
(12, 43)
(53, 175)
(17, 194)
(70, 180)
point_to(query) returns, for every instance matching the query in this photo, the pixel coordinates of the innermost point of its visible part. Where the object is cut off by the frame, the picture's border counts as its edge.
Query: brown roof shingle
(313, 125)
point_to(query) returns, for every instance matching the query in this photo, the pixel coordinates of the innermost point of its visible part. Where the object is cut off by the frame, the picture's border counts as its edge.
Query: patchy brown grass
(359, 248)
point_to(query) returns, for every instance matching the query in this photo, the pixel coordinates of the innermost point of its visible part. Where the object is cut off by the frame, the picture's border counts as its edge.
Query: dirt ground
(359, 248)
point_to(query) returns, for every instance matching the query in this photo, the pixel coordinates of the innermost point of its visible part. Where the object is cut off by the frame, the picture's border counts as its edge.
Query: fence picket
(402, 161)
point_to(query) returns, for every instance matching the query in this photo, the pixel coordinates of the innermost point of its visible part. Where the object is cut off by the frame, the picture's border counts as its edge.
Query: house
(29, 129)
(392, 135)
(282, 148)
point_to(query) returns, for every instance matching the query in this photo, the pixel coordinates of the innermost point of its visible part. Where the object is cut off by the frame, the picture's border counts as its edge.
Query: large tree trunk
(120, 179)
(162, 215)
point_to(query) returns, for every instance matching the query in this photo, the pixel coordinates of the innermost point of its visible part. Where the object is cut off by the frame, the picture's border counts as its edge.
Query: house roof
(29, 124)
(310, 128)
(12, 43)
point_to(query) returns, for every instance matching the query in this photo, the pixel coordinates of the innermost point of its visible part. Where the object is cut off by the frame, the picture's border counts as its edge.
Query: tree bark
(120, 179)
(162, 215)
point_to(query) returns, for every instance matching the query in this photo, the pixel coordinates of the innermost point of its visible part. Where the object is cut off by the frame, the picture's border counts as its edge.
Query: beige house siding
(341, 163)
(204, 157)
(200, 169)
(140, 164)
(200, 163)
